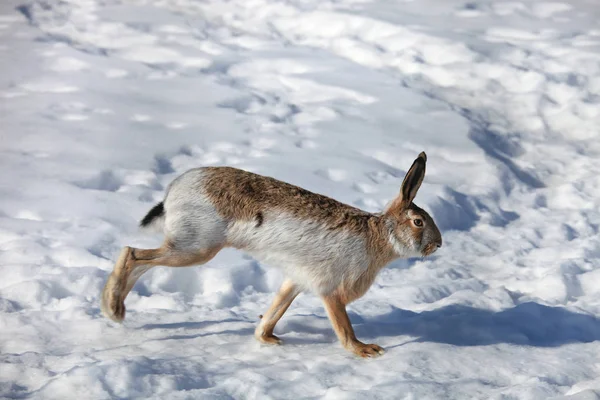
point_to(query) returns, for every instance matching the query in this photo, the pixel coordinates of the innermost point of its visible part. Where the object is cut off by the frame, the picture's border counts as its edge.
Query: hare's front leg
(336, 309)
(264, 331)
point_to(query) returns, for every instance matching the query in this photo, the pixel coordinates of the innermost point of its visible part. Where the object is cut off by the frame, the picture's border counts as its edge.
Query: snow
(103, 103)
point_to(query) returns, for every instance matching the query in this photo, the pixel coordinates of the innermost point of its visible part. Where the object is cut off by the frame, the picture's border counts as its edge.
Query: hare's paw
(112, 305)
(269, 339)
(367, 350)
(113, 298)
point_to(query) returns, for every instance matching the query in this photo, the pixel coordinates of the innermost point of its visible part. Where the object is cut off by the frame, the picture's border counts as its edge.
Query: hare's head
(412, 230)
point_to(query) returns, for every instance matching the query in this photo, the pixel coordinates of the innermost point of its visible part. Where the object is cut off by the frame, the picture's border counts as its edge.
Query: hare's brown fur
(242, 195)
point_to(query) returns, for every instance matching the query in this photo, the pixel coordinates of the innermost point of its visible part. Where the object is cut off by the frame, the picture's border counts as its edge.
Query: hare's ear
(411, 184)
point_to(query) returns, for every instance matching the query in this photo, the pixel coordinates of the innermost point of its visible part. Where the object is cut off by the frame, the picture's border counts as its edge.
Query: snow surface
(104, 102)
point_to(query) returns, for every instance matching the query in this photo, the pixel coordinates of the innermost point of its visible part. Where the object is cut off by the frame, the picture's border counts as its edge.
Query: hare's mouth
(429, 249)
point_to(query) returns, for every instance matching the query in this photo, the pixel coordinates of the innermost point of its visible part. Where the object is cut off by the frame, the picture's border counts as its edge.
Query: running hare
(322, 245)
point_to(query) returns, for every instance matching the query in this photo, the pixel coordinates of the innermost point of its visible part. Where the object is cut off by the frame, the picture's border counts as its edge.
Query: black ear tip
(423, 156)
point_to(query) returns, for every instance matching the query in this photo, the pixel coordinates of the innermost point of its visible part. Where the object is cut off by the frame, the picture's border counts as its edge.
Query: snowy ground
(104, 102)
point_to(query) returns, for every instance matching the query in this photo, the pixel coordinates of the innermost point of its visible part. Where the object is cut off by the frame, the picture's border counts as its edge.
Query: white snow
(103, 103)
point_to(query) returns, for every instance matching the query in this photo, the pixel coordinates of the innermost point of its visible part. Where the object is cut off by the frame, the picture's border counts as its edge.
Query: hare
(322, 245)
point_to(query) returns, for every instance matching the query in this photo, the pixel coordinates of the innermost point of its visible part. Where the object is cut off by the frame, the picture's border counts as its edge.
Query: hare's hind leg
(264, 331)
(133, 263)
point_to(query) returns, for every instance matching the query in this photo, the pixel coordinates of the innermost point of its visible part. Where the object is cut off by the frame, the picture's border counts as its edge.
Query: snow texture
(104, 102)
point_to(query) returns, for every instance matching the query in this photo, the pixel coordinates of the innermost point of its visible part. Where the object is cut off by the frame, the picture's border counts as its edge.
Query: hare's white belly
(310, 253)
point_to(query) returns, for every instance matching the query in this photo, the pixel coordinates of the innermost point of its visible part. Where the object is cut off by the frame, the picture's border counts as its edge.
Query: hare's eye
(418, 222)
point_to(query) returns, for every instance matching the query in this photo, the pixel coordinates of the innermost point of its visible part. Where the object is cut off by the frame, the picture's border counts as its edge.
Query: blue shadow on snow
(528, 324)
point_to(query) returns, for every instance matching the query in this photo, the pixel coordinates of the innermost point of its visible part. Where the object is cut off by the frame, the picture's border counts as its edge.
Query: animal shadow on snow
(190, 329)
(529, 324)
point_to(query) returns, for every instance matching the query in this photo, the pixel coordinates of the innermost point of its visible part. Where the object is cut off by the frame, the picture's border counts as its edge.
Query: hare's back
(243, 195)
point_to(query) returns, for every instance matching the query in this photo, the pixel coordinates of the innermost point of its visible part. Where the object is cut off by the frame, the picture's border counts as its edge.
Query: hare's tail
(155, 218)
